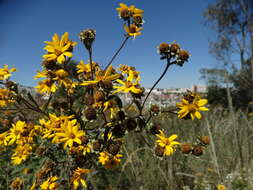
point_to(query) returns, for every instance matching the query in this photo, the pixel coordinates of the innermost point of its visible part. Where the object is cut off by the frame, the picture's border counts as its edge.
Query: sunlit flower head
(130, 85)
(58, 49)
(50, 184)
(78, 178)
(70, 133)
(5, 73)
(46, 86)
(126, 12)
(6, 97)
(21, 154)
(190, 106)
(221, 187)
(109, 161)
(132, 30)
(168, 144)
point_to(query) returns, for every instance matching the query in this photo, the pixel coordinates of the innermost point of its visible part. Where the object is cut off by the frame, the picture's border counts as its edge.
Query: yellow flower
(125, 12)
(130, 85)
(70, 133)
(102, 76)
(17, 184)
(109, 161)
(112, 106)
(15, 132)
(5, 73)
(33, 186)
(221, 187)
(6, 97)
(190, 107)
(21, 153)
(167, 143)
(59, 48)
(46, 86)
(132, 30)
(78, 177)
(50, 184)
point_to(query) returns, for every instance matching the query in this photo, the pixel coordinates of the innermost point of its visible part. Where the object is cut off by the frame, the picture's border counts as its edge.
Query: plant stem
(160, 78)
(117, 52)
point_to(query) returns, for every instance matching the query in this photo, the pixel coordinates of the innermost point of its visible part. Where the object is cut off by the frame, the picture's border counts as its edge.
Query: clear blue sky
(25, 24)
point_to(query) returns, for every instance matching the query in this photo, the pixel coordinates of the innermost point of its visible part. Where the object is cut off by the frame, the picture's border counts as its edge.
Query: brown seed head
(131, 124)
(205, 140)
(106, 84)
(197, 150)
(96, 145)
(113, 149)
(164, 48)
(99, 96)
(51, 65)
(155, 109)
(87, 37)
(174, 48)
(186, 148)
(159, 151)
(155, 129)
(90, 113)
(183, 55)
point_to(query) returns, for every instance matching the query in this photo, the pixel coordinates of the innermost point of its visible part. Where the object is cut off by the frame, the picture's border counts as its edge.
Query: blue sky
(25, 24)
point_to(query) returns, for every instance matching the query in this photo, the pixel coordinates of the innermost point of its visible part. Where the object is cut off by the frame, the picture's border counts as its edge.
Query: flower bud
(155, 129)
(163, 48)
(131, 124)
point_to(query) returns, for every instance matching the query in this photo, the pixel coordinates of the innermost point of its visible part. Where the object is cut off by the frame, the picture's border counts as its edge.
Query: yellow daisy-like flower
(21, 154)
(50, 184)
(17, 184)
(130, 85)
(59, 48)
(101, 76)
(15, 132)
(78, 178)
(221, 187)
(6, 97)
(167, 143)
(109, 161)
(70, 133)
(132, 30)
(5, 73)
(191, 108)
(46, 86)
(125, 12)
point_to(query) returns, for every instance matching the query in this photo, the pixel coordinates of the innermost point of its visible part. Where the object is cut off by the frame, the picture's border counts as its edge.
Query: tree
(232, 21)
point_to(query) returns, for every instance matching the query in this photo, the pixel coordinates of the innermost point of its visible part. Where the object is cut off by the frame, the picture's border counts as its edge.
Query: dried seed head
(174, 49)
(99, 96)
(131, 124)
(113, 149)
(51, 65)
(138, 20)
(125, 14)
(118, 131)
(186, 148)
(159, 151)
(90, 113)
(155, 129)
(205, 140)
(197, 150)
(183, 55)
(87, 37)
(96, 145)
(106, 84)
(121, 115)
(163, 48)
(155, 109)
(89, 100)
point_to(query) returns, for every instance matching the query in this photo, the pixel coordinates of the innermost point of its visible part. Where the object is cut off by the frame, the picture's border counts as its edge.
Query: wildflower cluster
(80, 124)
